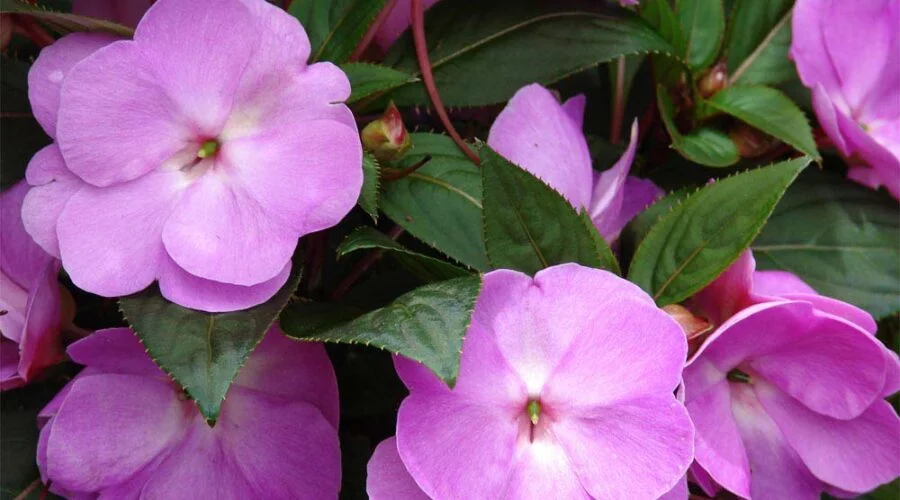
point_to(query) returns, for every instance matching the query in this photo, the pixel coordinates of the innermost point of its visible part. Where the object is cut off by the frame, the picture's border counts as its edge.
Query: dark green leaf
(440, 203)
(635, 231)
(705, 145)
(660, 15)
(770, 111)
(483, 52)
(529, 226)
(368, 196)
(19, 131)
(201, 351)
(703, 25)
(758, 35)
(426, 324)
(367, 79)
(63, 22)
(700, 238)
(426, 268)
(841, 238)
(335, 27)
(19, 438)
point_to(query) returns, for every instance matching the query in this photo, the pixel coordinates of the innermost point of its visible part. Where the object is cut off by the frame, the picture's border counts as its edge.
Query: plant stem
(394, 174)
(618, 113)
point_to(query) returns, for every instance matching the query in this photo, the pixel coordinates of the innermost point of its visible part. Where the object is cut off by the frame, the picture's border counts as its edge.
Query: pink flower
(397, 22)
(848, 53)
(126, 12)
(565, 390)
(787, 394)
(196, 154)
(538, 134)
(30, 298)
(123, 429)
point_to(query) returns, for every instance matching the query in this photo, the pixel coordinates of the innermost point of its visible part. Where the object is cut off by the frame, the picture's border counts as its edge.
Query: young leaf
(63, 22)
(758, 41)
(706, 146)
(703, 24)
(529, 226)
(368, 196)
(426, 324)
(841, 238)
(427, 268)
(700, 238)
(770, 111)
(483, 52)
(335, 27)
(201, 351)
(440, 203)
(367, 79)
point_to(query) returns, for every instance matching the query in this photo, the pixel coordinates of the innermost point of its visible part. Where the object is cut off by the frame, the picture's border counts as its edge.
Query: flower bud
(751, 142)
(386, 137)
(715, 79)
(695, 328)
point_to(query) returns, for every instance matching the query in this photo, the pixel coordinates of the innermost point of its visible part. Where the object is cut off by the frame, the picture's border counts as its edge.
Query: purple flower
(397, 22)
(195, 154)
(30, 297)
(538, 134)
(787, 394)
(848, 53)
(123, 429)
(565, 390)
(126, 12)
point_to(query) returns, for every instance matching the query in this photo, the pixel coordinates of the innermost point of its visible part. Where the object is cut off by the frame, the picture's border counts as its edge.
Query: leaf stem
(418, 29)
(362, 266)
(615, 127)
(394, 174)
(372, 31)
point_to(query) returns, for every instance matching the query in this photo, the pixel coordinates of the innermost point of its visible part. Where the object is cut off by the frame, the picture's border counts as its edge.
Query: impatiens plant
(413, 249)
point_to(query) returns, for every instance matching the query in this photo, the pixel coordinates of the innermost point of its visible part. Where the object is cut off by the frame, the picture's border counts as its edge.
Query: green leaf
(483, 52)
(19, 438)
(63, 22)
(691, 245)
(841, 238)
(440, 203)
(703, 24)
(426, 324)
(660, 15)
(758, 40)
(368, 196)
(427, 268)
(368, 79)
(335, 27)
(17, 124)
(201, 351)
(706, 146)
(768, 110)
(638, 227)
(529, 226)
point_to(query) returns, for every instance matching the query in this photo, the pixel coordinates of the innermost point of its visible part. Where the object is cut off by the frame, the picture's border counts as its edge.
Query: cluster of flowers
(198, 152)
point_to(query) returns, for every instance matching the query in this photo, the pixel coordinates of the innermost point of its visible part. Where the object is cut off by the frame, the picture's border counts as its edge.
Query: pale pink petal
(115, 350)
(183, 288)
(219, 232)
(729, 293)
(109, 427)
(536, 133)
(650, 438)
(777, 470)
(827, 111)
(574, 107)
(608, 191)
(397, 22)
(808, 48)
(127, 12)
(637, 195)
(855, 455)
(678, 492)
(40, 345)
(482, 440)
(886, 164)
(837, 308)
(53, 185)
(542, 471)
(21, 259)
(50, 68)
(9, 365)
(778, 283)
(115, 122)
(387, 477)
(298, 371)
(109, 237)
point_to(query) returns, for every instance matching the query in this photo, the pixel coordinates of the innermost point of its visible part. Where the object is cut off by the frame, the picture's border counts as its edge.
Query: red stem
(618, 114)
(418, 29)
(373, 30)
(394, 174)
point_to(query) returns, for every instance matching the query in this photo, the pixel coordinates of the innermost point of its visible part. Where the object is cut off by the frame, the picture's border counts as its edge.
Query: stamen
(208, 148)
(534, 411)
(738, 376)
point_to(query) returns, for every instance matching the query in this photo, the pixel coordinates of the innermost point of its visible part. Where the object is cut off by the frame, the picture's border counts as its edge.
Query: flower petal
(219, 232)
(21, 259)
(808, 47)
(536, 133)
(182, 287)
(729, 293)
(109, 238)
(114, 350)
(40, 345)
(634, 449)
(109, 427)
(387, 477)
(855, 455)
(482, 438)
(53, 185)
(608, 191)
(542, 470)
(49, 70)
(637, 194)
(297, 371)
(128, 12)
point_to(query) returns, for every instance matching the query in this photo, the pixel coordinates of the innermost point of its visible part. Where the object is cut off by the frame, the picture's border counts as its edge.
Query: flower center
(208, 149)
(739, 376)
(534, 411)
